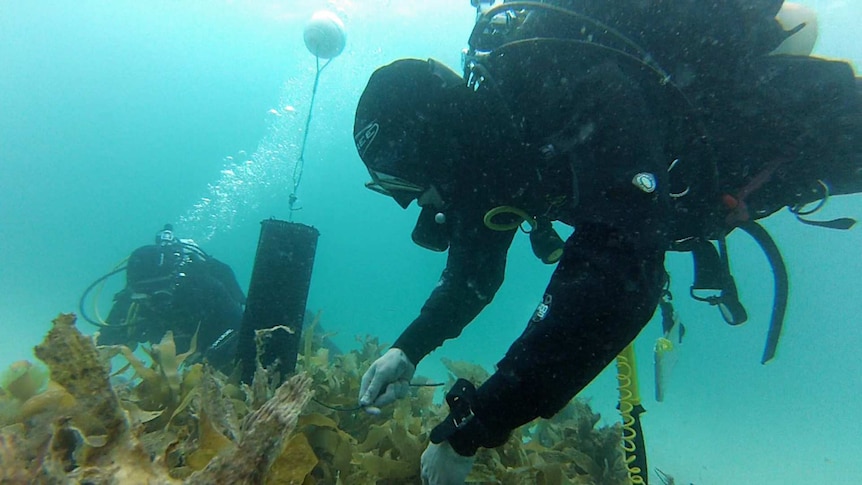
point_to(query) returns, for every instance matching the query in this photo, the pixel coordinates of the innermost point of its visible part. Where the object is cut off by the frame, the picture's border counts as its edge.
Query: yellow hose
(132, 314)
(629, 398)
(99, 294)
(509, 210)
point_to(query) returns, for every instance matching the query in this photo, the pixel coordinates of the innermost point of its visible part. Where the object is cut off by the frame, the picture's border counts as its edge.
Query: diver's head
(404, 127)
(166, 236)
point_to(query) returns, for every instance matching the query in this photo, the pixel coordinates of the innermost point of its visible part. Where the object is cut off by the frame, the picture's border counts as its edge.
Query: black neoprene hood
(403, 116)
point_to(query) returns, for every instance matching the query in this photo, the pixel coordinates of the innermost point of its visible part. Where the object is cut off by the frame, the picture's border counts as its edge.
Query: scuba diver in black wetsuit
(645, 125)
(173, 285)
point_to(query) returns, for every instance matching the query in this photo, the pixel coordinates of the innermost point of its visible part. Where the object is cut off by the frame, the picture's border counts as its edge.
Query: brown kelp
(160, 419)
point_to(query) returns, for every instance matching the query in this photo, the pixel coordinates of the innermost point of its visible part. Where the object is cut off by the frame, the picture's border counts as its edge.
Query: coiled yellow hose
(629, 399)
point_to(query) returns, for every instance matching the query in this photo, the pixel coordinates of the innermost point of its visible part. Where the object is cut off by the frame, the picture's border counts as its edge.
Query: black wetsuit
(177, 291)
(608, 282)
(586, 125)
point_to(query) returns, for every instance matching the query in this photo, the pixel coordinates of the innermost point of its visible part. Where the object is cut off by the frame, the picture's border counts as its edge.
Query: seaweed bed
(170, 421)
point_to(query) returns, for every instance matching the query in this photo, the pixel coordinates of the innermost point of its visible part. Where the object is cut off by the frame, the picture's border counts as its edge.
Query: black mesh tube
(277, 295)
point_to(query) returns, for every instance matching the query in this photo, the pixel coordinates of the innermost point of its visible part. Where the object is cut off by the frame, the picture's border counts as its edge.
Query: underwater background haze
(118, 117)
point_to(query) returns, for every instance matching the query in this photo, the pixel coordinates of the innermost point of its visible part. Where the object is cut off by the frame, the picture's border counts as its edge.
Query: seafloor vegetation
(164, 420)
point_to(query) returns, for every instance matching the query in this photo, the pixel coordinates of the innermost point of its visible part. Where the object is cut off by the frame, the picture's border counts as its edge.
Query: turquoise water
(117, 117)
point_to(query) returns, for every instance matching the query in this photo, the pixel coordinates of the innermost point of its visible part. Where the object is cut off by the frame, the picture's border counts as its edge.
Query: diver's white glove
(441, 465)
(387, 379)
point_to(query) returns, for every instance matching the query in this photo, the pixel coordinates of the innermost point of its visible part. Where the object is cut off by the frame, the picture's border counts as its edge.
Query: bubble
(246, 180)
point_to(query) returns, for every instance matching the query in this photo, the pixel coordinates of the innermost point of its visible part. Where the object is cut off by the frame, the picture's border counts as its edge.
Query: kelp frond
(160, 420)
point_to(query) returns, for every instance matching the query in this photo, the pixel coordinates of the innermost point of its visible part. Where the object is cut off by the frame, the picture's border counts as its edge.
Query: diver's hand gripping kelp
(387, 380)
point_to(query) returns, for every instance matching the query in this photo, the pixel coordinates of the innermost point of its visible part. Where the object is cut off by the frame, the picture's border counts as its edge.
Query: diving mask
(403, 191)
(166, 235)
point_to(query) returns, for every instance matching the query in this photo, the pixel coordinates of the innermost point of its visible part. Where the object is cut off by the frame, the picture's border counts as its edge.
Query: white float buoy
(324, 34)
(802, 42)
